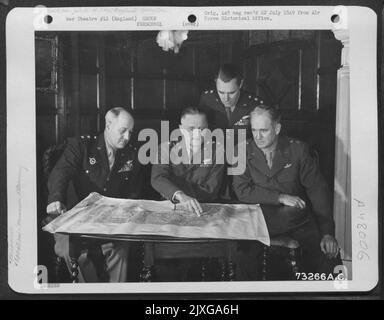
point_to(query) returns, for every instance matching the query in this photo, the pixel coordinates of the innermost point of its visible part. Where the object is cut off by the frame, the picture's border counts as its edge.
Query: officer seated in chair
(281, 171)
(193, 180)
(106, 164)
(197, 178)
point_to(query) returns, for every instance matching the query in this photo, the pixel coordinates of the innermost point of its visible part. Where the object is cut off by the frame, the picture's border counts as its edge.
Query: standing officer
(190, 182)
(281, 171)
(106, 164)
(228, 106)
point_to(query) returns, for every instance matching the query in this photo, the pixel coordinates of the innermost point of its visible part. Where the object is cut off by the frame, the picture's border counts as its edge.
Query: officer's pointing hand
(291, 201)
(191, 203)
(56, 208)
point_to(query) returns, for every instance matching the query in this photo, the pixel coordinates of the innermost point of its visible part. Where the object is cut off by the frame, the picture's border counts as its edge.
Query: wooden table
(279, 219)
(159, 247)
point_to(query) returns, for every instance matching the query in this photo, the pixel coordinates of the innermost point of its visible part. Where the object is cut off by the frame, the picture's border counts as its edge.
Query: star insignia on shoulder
(88, 137)
(295, 141)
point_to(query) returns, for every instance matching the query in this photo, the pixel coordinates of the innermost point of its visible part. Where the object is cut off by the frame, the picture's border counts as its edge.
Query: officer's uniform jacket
(210, 101)
(294, 171)
(201, 181)
(240, 119)
(85, 162)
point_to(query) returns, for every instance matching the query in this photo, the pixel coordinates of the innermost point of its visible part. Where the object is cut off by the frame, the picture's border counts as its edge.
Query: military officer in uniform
(228, 107)
(281, 171)
(106, 164)
(190, 182)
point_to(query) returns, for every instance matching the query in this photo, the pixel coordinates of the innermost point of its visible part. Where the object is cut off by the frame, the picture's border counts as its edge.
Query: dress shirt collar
(110, 150)
(271, 148)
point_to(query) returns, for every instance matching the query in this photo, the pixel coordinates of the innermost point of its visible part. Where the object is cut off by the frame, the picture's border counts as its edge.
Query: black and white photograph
(194, 156)
(83, 76)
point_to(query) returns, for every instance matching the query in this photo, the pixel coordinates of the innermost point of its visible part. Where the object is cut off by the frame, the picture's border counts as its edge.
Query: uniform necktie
(229, 113)
(111, 158)
(269, 156)
(191, 151)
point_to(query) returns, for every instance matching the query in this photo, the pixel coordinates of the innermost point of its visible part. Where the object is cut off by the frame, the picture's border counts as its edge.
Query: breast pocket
(90, 164)
(125, 176)
(288, 174)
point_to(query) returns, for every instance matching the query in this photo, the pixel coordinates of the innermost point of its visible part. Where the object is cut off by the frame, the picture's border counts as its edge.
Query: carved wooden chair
(286, 249)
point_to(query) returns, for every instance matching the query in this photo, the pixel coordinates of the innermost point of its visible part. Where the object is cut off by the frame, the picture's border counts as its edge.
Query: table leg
(293, 253)
(148, 261)
(74, 254)
(264, 263)
(203, 269)
(232, 251)
(231, 271)
(223, 270)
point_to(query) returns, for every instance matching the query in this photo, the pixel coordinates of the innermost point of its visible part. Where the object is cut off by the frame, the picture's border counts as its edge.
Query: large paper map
(97, 214)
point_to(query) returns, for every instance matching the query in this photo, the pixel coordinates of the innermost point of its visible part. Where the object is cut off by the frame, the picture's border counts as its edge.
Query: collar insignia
(92, 161)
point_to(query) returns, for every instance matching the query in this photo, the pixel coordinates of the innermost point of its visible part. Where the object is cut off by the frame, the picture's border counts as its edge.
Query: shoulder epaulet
(87, 139)
(251, 100)
(257, 100)
(295, 141)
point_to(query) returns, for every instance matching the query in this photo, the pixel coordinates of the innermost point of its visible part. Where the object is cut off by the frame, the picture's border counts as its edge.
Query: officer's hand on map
(56, 207)
(291, 201)
(329, 246)
(191, 203)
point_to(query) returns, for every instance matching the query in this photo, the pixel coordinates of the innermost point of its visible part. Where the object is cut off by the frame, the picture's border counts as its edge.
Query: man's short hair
(273, 112)
(115, 112)
(229, 71)
(192, 110)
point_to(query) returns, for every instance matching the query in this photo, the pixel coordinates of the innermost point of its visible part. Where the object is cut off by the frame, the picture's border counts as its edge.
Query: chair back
(51, 156)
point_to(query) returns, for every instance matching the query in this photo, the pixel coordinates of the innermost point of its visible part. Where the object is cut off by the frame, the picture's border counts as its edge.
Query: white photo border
(21, 25)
